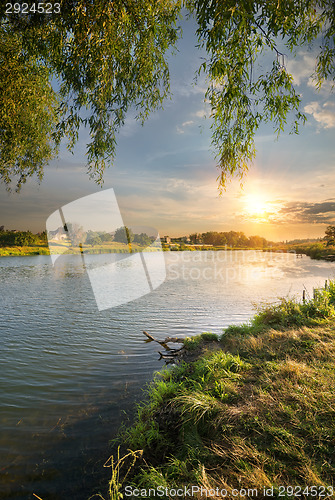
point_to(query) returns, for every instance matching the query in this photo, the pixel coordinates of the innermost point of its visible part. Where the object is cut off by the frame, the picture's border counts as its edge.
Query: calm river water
(69, 372)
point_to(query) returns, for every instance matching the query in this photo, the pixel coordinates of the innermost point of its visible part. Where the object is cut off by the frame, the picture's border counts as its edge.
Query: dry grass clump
(294, 370)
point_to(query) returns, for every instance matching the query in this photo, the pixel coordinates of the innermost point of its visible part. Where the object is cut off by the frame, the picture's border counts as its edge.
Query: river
(70, 374)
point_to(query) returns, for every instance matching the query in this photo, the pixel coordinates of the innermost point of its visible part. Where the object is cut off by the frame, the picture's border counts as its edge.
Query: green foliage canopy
(124, 235)
(232, 239)
(110, 57)
(28, 113)
(107, 56)
(142, 239)
(20, 238)
(93, 238)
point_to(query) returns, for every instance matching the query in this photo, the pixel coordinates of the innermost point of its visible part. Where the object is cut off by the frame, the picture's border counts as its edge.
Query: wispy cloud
(181, 128)
(300, 212)
(324, 115)
(189, 122)
(201, 113)
(281, 212)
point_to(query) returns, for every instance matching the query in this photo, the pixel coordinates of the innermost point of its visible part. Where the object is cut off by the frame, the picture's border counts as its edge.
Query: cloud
(301, 68)
(282, 213)
(181, 129)
(326, 88)
(200, 114)
(307, 213)
(324, 115)
(189, 122)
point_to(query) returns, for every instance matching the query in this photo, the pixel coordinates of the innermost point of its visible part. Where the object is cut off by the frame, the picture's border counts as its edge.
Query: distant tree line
(236, 239)
(231, 239)
(98, 237)
(126, 235)
(21, 238)
(121, 235)
(77, 234)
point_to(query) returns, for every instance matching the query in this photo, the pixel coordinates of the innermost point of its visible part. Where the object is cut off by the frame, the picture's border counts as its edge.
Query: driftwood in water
(167, 357)
(170, 354)
(150, 337)
(175, 340)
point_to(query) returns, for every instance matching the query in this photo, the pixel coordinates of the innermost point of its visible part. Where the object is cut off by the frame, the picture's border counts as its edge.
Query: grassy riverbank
(23, 251)
(319, 250)
(16, 250)
(115, 247)
(254, 409)
(315, 251)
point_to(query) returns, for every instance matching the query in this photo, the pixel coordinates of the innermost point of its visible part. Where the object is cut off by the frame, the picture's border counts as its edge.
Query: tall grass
(23, 251)
(318, 250)
(289, 312)
(116, 465)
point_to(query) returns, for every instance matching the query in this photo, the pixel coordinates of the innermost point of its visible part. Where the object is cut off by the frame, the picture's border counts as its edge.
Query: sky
(165, 173)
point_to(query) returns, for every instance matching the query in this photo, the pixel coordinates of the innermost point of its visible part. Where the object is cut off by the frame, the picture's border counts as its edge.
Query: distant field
(114, 247)
(25, 250)
(317, 250)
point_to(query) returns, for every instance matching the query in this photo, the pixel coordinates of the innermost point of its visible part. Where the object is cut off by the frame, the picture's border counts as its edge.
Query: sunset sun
(256, 206)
